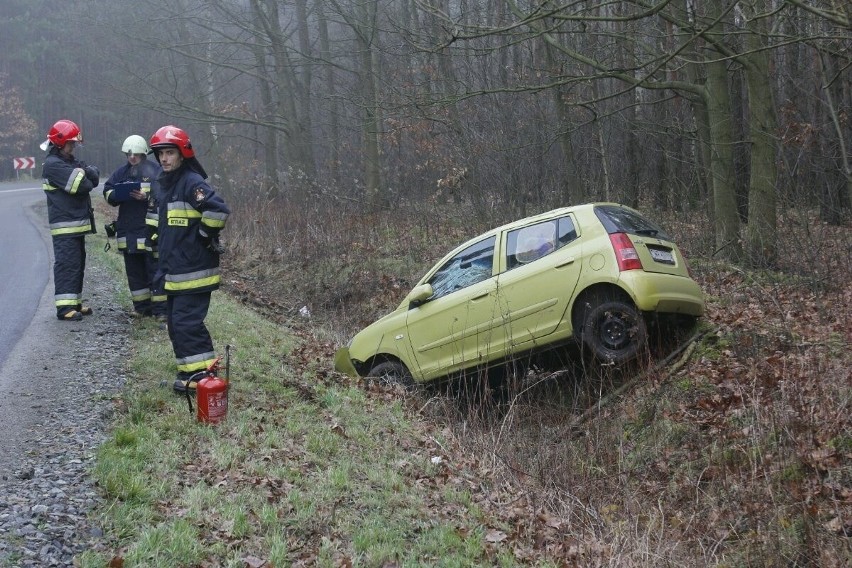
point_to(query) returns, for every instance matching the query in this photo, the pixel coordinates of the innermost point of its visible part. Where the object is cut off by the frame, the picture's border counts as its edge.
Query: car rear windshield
(622, 220)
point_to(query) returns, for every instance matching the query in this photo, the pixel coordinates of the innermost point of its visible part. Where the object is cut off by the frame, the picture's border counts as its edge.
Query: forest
(735, 109)
(356, 142)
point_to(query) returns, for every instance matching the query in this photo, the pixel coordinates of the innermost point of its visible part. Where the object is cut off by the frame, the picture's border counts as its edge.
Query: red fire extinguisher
(211, 392)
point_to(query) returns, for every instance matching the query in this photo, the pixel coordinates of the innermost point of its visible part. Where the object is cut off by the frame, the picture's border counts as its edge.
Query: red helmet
(172, 136)
(62, 132)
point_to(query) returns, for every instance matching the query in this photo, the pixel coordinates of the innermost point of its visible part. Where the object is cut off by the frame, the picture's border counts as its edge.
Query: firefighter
(67, 185)
(191, 215)
(131, 228)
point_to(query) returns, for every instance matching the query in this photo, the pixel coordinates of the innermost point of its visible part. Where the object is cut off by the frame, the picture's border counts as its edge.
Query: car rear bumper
(664, 293)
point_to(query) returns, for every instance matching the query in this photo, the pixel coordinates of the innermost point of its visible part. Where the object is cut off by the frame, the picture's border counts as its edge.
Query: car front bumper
(343, 362)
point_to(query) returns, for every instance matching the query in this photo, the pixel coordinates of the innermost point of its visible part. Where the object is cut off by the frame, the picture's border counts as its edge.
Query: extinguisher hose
(196, 377)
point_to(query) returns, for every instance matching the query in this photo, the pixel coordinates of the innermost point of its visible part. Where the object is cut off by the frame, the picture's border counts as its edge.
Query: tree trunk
(719, 116)
(370, 124)
(835, 198)
(572, 183)
(761, 230)
(330, 106)
(285, 110)
(269, 134)
(305, 134)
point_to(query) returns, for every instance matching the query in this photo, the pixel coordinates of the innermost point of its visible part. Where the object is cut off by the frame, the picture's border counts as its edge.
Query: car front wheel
(391, 372)
(614, 332)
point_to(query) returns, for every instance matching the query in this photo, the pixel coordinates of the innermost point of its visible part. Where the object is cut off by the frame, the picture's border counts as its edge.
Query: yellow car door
(541, 268)
(447, 329)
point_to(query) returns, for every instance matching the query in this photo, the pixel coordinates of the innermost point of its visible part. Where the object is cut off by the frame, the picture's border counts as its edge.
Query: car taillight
(625, 252)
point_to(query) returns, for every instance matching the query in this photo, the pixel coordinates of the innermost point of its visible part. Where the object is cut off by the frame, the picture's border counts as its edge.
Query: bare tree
(513, 106)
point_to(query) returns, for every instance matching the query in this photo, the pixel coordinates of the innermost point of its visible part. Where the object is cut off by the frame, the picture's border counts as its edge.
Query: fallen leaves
(758, 432)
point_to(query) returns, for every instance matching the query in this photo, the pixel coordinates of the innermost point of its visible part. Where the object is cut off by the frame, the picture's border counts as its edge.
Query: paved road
(27, 317)
(38, 353)
(58, 381)
(24, 260)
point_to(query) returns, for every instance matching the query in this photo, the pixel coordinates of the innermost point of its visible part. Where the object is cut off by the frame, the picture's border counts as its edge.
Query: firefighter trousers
(140, 268)
(191, 341)
(139, 280)
(69, 264)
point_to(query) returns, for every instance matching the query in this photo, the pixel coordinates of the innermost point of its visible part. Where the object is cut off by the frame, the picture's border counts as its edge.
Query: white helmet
(135, 144)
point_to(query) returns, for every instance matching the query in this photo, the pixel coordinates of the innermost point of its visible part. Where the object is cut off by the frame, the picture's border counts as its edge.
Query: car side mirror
(419, 295)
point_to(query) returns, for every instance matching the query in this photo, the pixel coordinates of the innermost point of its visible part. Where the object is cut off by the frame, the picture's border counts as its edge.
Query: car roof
(553, 213)
(559, 212)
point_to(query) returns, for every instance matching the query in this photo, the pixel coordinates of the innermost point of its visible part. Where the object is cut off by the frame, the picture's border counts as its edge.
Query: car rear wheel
(391, 372)
(614, 332)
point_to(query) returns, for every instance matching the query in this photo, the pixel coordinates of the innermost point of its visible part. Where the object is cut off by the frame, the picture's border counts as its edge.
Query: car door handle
(483, 295)
(569, 260)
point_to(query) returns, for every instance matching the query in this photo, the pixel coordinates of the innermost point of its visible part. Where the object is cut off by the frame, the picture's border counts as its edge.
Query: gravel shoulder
(56, 404)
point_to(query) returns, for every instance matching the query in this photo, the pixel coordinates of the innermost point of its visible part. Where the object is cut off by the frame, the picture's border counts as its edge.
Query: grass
(305, 470)
(738, 455)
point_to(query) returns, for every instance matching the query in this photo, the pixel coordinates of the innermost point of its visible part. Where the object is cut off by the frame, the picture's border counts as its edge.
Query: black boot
(182, 383)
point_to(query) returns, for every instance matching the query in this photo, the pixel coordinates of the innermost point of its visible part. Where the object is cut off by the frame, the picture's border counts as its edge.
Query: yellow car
(593, 274)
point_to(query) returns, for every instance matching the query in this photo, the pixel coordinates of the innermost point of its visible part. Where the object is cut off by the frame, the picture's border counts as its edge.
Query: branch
(686, 348)
(835, 17)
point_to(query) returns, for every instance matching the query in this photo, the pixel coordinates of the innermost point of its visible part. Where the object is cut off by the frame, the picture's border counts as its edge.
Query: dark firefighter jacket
(191, 216)
(131, 229)
(67, 184)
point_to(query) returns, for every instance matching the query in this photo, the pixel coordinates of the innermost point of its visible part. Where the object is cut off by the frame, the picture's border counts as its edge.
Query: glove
(93, 173)
(216, 246)
(204, 237)
(210, 242)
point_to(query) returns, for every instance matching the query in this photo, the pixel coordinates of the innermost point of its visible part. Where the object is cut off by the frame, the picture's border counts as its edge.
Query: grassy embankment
(737, 453)
(309, 468)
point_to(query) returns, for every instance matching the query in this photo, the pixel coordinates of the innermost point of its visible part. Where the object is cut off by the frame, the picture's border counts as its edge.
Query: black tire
(391, 372)
(615, 332)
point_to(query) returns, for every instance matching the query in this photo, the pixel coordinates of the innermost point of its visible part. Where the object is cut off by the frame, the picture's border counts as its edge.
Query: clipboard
(121, 190)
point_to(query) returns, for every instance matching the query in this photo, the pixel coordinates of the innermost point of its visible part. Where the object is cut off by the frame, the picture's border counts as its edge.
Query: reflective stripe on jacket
(131, 227)
(191, 214)
(67, 187)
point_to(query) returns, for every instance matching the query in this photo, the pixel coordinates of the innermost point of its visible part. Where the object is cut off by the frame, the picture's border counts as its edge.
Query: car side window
(567, 231)
(472, 265)
(533, 242)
